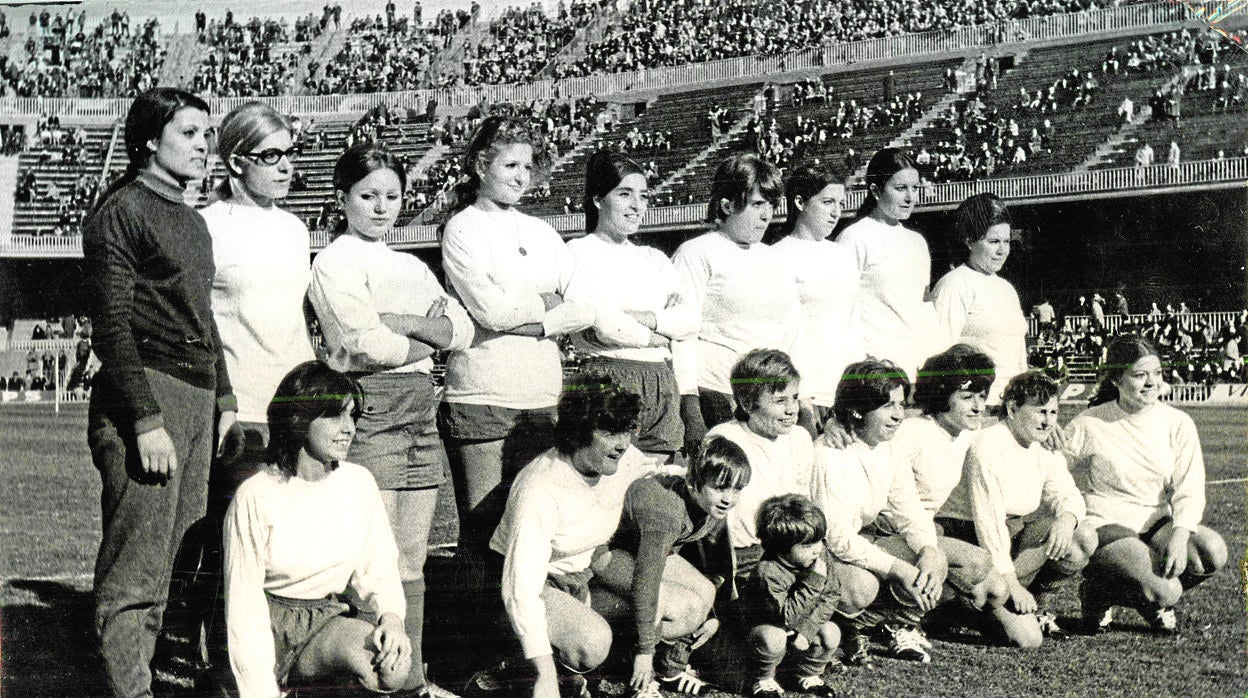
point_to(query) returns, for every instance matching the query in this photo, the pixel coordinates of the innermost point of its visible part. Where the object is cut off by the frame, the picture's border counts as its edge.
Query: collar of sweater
(164, 187)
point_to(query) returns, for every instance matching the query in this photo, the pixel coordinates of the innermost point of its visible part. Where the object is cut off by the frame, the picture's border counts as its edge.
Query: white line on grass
(50, 578)
(1229, 481)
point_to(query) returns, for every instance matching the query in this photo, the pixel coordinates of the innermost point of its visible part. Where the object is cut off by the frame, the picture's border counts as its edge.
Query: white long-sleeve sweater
(777, 466)
(1137, 468)
(855, 485)
(555, 518)
(828, 284)
(748, 299)
(354, 281)
(898, 322)
(498, 263)
(935, 458)
(615, 277)
(1002, 478)
(302, 540)
(983, 310)
(263, 270)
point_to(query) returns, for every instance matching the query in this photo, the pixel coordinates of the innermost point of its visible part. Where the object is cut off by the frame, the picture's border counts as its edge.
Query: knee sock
(672, 656)
(414, 624)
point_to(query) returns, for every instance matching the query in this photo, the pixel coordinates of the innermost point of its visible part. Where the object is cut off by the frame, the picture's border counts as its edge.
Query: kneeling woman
(1018, 501)
(1144, 476)
(668, 557)
(296, 534)
(562, 508)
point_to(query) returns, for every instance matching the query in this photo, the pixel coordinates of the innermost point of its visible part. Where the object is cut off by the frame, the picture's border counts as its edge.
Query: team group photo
(623, 349)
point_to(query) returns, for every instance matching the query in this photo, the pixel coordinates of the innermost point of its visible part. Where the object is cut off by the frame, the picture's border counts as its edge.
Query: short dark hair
(720, 463)
(787, 520)
(1030, 386)
(736, 177)
(760, 372)
(977, 214)
(309, 391)
(960, 367)
(593, 401)
(865, 387)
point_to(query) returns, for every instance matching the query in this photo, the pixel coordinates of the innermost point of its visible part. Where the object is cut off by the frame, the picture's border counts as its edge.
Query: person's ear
(726, 208)
(799, 203)
(340, 198)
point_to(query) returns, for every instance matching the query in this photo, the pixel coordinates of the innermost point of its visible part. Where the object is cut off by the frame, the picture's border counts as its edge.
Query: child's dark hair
(787, 520)
(593, 401)
(760, 372)
(310, 391)
(719, 463)
(866, 386)
(736, 178)
(1030, 387)
(358, 162)
(146, 120)
(604, 171)
(960, 367)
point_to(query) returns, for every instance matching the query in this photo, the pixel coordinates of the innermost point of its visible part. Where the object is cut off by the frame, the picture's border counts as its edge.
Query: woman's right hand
(643, 672)
(438, 308)
(835, 436)
(157, 454)
(1022, 599)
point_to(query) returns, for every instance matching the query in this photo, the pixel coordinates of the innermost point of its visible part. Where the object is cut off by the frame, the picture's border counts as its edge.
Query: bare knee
(993, 590)
(1021, 629)
(686, 611)
(859, 588)
(1211, 554)
(1163, 591)
(768, 640)
(590, 649)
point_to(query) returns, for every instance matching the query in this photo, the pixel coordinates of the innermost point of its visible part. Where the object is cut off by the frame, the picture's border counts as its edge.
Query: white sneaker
(650, 691)
(816, 686)
(766, 688)
(1165, 621)
(687, 681)
(910, 644)
(1048, 625)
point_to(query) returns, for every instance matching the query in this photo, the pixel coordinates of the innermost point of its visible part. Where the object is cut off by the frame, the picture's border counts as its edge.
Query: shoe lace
(909, 641)
(651, 690)
(811, 682)
(687, 681)
(1166, 618)
(767, 686)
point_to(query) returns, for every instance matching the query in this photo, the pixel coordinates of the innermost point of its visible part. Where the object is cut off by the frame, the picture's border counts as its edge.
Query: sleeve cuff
(150, 423)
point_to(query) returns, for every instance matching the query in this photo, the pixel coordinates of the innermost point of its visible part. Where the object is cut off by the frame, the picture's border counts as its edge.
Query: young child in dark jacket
(790, 598)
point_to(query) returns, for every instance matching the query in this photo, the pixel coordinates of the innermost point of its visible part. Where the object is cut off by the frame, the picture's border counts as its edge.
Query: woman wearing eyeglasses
(262, 260)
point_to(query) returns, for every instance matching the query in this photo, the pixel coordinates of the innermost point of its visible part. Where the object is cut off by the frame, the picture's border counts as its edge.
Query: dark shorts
(660, 427)
(396, 436)
(964, 530)
(460, 421)
(295, 622)
(1114, 532)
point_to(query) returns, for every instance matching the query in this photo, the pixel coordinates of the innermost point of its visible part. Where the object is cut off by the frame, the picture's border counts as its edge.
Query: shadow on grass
(49, 642)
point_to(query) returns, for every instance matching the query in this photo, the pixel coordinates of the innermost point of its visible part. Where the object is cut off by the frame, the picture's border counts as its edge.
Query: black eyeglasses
(272, 156)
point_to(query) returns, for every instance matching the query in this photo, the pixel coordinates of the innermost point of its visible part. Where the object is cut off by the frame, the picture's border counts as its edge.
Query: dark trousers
(143, 520)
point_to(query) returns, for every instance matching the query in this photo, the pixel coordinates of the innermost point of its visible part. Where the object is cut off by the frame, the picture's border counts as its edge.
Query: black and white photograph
(623, 348)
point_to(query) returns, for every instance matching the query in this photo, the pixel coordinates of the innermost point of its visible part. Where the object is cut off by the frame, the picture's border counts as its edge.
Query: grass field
(49, 530)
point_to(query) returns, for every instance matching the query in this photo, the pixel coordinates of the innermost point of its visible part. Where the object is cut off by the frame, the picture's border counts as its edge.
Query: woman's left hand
(230, 437)
(933, 568)
(393, 647)
(1175, 562)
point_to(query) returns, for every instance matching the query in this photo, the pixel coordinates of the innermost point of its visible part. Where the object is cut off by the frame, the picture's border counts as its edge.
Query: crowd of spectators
(109, 61)
(522, 41)
(241, 61)
(45, 370)
(664, 33)
(379, 55)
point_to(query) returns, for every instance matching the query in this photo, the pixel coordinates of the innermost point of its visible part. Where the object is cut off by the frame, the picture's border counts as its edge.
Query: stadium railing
(1230, 171)
(1189, 321)
(1188, 393)
(857, 52)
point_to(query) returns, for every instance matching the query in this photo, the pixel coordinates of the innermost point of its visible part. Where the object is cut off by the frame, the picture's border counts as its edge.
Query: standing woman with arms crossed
(512, 273)
(827, 278)
(262, 259)
(1141, 469)
(633, 288)
(973, 304)
(898, 321)
(384, 314)
(150, 425)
